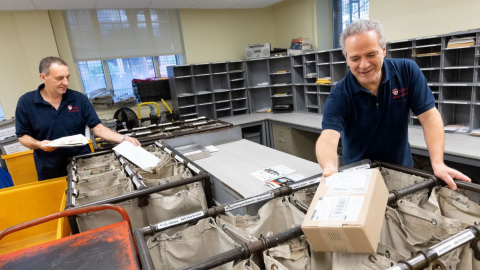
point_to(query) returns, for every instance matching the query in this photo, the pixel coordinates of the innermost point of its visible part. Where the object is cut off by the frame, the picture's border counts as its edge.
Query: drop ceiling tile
(167, 4)
(213, 4)
(16, 5)
(256, 3)
(122, 4)
(64, 4)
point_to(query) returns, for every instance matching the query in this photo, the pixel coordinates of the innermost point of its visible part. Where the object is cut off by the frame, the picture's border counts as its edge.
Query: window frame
(108, 78)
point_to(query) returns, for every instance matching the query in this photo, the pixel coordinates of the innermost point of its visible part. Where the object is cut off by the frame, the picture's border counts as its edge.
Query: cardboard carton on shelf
(347, 212)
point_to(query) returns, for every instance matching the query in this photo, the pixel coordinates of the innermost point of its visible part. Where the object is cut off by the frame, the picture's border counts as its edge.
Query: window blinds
(122, 33)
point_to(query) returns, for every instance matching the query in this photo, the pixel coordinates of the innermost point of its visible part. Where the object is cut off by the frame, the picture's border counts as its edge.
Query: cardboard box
(347, 212)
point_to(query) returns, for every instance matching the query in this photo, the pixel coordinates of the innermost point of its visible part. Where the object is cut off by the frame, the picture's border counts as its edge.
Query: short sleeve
(90, 115)
(334, 113)
(22, 121)
(421, 98)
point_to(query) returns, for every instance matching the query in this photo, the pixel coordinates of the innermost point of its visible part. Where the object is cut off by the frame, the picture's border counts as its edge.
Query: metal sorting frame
(199, 174)
(264, 243)
(425, 257)
(176, 129)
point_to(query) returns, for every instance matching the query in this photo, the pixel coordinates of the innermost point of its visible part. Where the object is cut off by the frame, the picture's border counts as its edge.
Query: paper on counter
(212, 148)
(69, 141)
(137, 155)
(272, 172)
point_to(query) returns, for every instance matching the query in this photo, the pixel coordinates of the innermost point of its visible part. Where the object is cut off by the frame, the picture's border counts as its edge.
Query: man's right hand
(43, 145)
(329, 171)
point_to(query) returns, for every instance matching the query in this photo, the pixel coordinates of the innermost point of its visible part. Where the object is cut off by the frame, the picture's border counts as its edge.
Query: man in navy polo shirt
(369, 108)
(54, 111)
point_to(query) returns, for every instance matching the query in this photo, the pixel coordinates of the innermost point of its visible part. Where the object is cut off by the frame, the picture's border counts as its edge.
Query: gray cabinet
(234, 88)
(296, 142)
(452, 74)
(214, 90)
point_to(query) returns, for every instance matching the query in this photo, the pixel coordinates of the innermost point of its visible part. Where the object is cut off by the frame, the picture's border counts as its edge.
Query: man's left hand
(448, 174)
(132, 140)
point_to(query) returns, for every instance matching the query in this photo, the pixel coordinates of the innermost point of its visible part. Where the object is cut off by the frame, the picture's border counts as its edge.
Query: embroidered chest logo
(399, 93)
(72, 109)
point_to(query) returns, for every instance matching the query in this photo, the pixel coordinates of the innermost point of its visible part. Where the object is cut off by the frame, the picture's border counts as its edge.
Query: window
(344, 13)
(114, 46)
(122, 72)
(164, 61)
(92, 75)
(2, 116)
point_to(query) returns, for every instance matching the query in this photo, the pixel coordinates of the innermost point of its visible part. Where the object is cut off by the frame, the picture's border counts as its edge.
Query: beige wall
(413, 18)
(64, 50)
(293, 19)
(27, 37)
(221, 35)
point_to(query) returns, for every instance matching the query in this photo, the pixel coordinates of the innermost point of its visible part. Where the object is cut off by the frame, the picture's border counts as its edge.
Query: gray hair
(46, 62)
(360, 26)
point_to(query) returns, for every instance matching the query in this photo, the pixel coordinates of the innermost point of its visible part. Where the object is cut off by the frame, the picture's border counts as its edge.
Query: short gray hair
(46, 62)
(360, 26)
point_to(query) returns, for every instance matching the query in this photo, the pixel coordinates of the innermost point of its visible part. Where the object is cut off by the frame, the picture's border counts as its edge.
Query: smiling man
(54, 111)
(369, 108)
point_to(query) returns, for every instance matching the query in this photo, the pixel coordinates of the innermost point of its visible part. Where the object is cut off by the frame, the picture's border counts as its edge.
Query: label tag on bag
(168, 151)
(452, 243)
(356, 168)
(178, 220)
(305, 183)
(246, 202)
(177, 157)
(193, 168)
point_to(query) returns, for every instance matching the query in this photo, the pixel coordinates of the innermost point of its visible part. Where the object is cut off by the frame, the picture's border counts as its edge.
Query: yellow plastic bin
(31, 201)
(21, 167)
(90, 143)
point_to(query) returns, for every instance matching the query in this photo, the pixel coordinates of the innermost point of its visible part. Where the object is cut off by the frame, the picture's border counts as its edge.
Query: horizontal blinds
(122, 33)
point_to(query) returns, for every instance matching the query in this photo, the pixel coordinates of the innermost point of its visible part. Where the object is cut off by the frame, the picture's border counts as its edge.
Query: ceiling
(161, 4)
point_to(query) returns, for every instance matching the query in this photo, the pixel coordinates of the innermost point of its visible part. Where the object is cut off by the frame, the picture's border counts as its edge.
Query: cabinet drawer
(282, 139)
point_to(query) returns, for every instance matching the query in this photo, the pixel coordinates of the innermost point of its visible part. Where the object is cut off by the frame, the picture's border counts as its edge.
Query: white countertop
(241, 158)
(455, 144)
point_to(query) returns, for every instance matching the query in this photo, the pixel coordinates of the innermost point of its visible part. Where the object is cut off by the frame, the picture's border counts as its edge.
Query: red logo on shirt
(73, 109)
(399, 93)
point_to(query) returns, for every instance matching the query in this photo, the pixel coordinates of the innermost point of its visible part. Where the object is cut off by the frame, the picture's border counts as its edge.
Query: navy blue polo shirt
(37, 118)
(376, 127)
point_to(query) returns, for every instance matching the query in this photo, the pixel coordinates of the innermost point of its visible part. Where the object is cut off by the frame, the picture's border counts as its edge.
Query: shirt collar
(388, 72)
(39, 99)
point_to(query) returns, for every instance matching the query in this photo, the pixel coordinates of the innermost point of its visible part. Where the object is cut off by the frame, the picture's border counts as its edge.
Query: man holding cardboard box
(370, 107)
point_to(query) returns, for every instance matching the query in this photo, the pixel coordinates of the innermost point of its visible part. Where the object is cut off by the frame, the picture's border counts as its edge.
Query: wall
(221, 35)
(413, 18)
(324, 24)
(293, 19)
(64, 50)
(27, 37)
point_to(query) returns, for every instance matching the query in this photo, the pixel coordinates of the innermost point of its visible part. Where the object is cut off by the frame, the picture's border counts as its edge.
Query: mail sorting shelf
(174, 182)
(169, 130)
(426, 181)
(194, 89)
(451, 73)
(108, 247)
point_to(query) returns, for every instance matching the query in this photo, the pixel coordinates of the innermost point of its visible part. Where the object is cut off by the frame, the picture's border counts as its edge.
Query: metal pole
(424, 258)
(245, 250)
